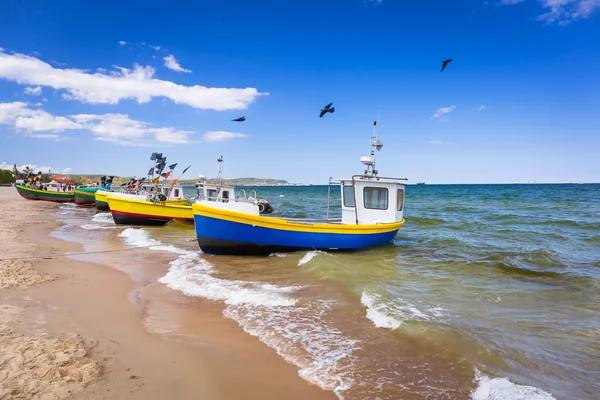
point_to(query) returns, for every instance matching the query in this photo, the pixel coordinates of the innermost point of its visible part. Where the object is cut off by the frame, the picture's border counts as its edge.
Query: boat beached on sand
(372, 212)
(48, 195)
(85, 195)
(34, 189)
(169, 204)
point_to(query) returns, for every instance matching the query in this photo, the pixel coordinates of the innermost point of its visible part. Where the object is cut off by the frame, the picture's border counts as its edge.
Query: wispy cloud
(66, 170)
(481, 108)
(138, 83)
(440, 143)
(21, 117)
(563, 11)
(171, 63)
(114, 128)
(35, 91)
(443, 111)
(122, 42)
(51, 136)
(220, 136)
(156, 47)
(33, 167)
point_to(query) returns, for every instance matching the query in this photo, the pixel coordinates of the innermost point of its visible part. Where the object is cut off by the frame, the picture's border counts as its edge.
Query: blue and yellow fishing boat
(372, 212)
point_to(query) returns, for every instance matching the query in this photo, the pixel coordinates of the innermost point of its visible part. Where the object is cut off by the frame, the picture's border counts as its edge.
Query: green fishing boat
(48, 195)
(85, 195)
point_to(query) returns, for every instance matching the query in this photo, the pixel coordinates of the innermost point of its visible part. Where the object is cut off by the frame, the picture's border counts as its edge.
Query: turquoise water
(487, 292)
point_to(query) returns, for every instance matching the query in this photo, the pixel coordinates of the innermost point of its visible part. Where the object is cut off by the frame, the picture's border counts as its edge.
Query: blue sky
(96, 88)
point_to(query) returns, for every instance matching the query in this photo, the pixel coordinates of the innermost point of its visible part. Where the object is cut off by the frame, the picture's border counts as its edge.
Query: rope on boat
(51, 256)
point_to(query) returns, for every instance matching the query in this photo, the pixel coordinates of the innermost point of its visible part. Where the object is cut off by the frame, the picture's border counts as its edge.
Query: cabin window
(400, 203)
(212, 194)
(225, 196)
(376, 198)
(176, 193)
(348, 196)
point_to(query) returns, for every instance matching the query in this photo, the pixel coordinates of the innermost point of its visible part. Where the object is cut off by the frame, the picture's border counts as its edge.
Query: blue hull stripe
(215, 228)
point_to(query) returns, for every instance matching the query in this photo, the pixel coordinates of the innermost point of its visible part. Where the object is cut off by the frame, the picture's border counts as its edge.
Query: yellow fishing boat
(168, 205)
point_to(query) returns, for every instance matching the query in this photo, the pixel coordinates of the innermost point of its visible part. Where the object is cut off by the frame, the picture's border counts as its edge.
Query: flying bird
(240, 119)
(327, 109)
(445, 62)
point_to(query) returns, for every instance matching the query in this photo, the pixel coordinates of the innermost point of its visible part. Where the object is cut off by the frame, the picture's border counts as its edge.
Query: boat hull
(85, 196)
(126, 211)
(100, 200)
(35, 194)
(233, 233)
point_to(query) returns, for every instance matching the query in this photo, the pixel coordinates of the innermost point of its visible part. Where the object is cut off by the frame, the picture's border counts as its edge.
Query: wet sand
(76, 329)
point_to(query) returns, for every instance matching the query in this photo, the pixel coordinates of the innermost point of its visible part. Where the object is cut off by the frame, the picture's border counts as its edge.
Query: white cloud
(171, 63)
(156, 47)
(35, 91)
(563, 11)
(442, 111)
(35, 168)
(22, 117)
(66, 170)
(38, 104)
(115, 128)
(139, 84)
(120, 129)
(220, 136)
(481, 108)
(51, 136)
(440, 143)
(122, 42)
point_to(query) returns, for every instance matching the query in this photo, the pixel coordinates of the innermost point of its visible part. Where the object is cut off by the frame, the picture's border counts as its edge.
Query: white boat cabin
(224, 197)
(169, 192)
(371, 200)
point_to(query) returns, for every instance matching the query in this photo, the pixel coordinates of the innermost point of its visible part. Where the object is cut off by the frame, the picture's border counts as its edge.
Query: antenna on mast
(374, 144)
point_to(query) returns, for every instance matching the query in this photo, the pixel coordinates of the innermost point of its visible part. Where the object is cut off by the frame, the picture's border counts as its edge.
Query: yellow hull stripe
(282, 224)
(170, 209)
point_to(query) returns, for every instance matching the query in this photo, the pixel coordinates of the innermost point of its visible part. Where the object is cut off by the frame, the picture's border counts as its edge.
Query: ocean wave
(302, 337)
(503, 389)
(309, 256)
(104, 217)
(300, 334)
(95, 227)
(426, 221)
(390, 314)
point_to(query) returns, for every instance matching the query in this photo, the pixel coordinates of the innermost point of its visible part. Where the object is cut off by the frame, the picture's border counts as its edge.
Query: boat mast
(374, 144)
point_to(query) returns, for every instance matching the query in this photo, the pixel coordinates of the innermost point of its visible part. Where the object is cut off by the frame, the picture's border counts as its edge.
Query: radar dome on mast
(375, 144)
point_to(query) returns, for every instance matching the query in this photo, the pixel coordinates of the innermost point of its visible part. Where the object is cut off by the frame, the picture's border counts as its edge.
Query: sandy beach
(73, 329)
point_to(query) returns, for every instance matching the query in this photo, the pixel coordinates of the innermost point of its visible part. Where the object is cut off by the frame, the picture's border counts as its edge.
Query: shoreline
(99, 310)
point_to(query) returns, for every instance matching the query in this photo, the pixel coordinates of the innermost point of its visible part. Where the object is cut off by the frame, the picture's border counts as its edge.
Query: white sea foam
(281, 195)
(375, 313)
(302, 337)
(281, 255)
(67, 209)
(104, 217)
(390, 314)
(95, 227)
(309, 256)
(503, 389)
(137, 237)
(299, 334)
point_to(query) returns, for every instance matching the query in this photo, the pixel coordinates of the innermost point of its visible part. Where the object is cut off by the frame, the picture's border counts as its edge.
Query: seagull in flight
(327, 109)
(445, 62)
(240, 119)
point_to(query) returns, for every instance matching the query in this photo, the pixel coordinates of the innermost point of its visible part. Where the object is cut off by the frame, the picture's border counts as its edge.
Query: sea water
(487, 292)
